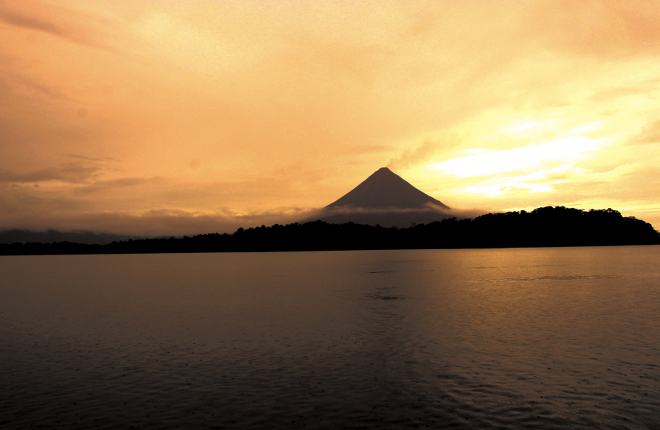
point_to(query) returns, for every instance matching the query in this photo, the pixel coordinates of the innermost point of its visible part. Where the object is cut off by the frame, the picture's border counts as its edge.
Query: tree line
(546, 226)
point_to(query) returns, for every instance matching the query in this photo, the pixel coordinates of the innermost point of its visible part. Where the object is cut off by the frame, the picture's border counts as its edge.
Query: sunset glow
(527, 158)
(163, 117)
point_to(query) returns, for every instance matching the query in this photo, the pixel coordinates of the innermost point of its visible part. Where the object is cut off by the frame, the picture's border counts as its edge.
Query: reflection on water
(539, 338)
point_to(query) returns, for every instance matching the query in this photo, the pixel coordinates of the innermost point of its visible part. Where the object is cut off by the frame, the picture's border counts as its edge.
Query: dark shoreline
(542, 227)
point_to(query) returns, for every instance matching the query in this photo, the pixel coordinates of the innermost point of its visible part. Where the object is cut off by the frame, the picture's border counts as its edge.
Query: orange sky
(182, 117)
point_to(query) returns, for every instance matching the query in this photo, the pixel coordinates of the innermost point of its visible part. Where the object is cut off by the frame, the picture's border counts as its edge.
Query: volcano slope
(385, 199)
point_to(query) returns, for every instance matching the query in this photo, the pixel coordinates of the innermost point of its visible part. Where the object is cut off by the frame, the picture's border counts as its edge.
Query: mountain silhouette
(386, 189)
(385, 199)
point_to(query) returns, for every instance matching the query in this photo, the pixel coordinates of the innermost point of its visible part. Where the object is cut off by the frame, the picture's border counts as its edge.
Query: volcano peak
(385, 189)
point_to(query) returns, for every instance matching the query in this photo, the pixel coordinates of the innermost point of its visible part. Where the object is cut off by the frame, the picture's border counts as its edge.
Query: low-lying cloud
(155, 223)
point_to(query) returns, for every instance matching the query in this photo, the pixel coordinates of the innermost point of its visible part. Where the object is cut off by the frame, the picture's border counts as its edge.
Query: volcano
(385, 189)
(387, 199)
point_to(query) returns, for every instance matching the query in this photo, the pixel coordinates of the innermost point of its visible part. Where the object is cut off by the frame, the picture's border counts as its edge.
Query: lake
(489, 338)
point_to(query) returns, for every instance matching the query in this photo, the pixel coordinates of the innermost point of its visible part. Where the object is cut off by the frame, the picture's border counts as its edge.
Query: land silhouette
(382, 212)
(49, 236)
(543, 227)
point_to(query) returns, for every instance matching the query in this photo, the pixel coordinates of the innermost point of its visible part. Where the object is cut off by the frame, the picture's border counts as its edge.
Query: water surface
(507, 338)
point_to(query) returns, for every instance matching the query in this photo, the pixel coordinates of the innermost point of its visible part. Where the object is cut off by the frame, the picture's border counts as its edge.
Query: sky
(163, 117)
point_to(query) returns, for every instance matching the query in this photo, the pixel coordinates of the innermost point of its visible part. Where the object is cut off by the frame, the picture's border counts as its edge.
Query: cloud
(31, 86)
(428, 209)
(127, 182)
(252, 106)
(76, 172)
(529, 157)
(344, 210)
(609, 94)
(650, 134)
(608, 29)
(340, 63)
(368, 149)
(153, 223)
(86, 158)
(414, 156)
(393, 216)
(69, 24)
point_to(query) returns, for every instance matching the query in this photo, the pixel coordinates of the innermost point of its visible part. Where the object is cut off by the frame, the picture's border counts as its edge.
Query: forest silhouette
(543, 227)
